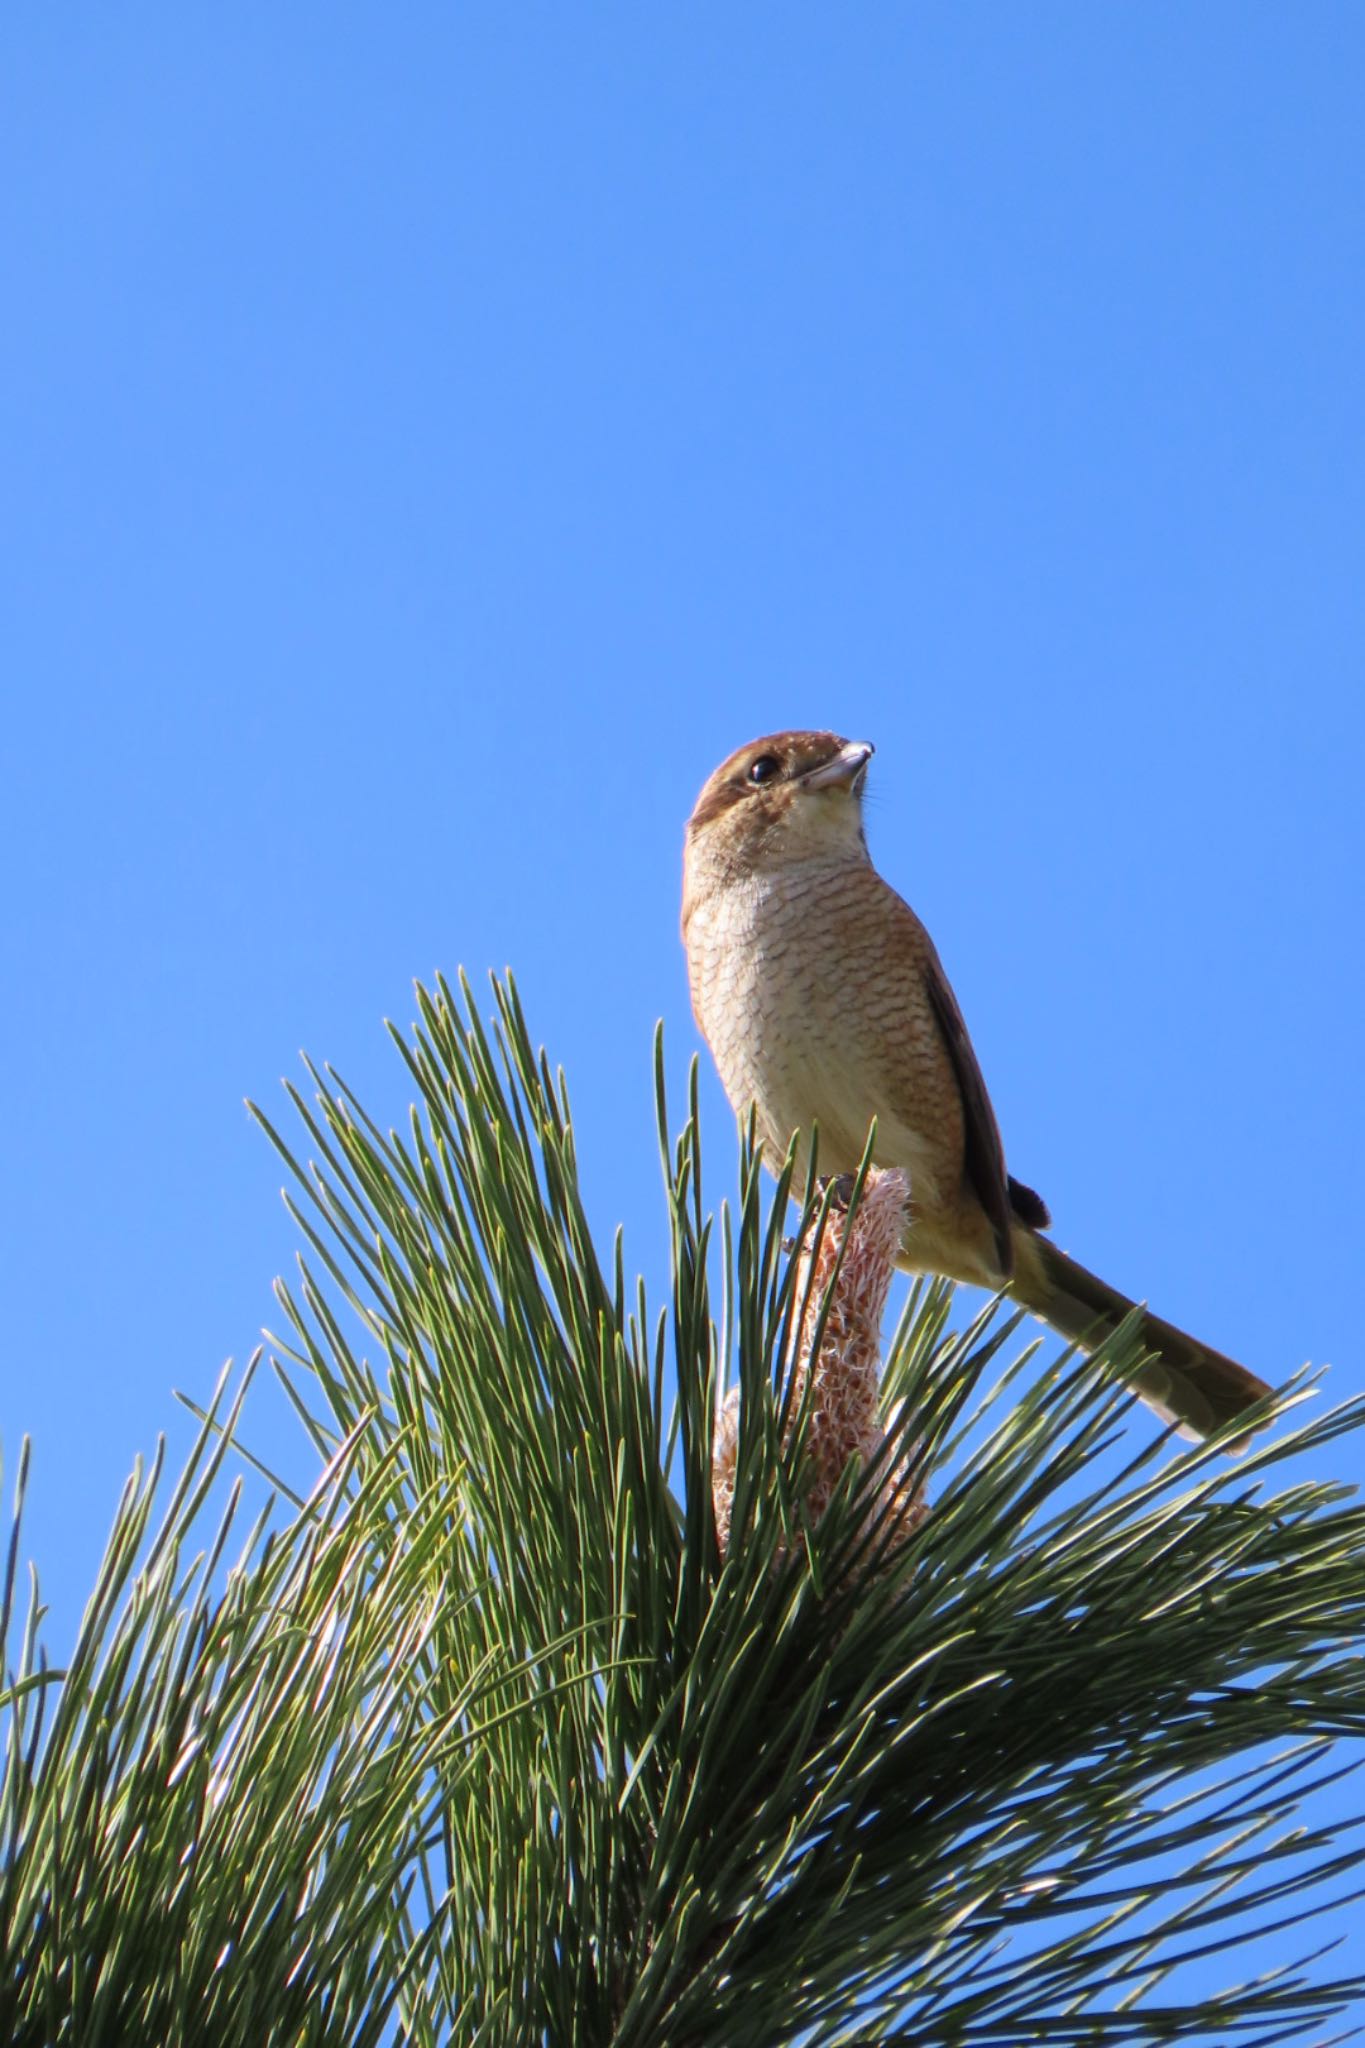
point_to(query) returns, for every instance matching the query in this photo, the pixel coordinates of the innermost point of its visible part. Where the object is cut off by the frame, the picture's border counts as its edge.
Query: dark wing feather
(1029, 1207)
(984, 1154)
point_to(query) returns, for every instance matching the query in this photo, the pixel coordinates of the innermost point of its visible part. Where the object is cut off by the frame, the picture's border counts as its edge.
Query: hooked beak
(845, 771)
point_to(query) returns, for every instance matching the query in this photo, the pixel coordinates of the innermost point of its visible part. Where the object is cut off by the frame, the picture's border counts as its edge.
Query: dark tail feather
(1185, 1381)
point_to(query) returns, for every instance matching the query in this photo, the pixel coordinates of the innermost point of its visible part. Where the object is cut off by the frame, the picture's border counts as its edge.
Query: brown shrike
(822, 998)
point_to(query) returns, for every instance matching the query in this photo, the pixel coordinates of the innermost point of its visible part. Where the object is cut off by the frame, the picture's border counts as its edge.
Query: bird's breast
(811, 1021)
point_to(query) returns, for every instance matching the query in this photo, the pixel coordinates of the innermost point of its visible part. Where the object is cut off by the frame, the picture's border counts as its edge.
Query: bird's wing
(984, 1155)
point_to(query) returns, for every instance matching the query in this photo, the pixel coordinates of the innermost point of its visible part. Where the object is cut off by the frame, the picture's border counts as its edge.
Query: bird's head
(781, 801)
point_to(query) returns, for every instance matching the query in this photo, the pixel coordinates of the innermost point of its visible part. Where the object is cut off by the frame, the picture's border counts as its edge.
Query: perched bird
(824, 1003)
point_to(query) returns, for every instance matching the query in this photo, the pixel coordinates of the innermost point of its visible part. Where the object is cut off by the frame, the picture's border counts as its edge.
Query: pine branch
(496, 1741)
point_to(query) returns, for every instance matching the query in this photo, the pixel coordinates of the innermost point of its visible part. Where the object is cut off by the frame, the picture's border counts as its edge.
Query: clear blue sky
(432, 438)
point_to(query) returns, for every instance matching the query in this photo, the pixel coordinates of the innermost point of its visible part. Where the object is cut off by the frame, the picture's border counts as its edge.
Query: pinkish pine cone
(846, 1372)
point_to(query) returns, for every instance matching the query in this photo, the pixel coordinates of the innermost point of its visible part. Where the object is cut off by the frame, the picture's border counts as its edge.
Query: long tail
(1184, 1381)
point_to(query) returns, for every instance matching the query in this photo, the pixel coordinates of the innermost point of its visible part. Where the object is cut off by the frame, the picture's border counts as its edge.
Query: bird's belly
(796, 1047)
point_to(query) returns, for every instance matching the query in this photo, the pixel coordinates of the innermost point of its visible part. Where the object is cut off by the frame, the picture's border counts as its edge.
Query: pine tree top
(498, 1736)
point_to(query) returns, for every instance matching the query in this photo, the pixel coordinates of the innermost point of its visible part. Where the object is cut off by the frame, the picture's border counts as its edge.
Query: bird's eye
(764, 768)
